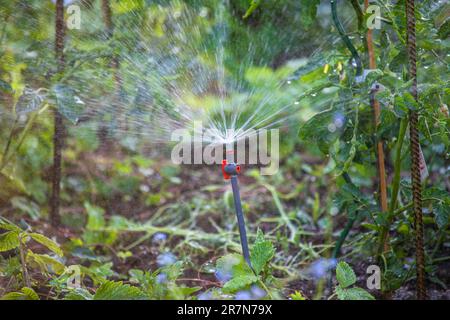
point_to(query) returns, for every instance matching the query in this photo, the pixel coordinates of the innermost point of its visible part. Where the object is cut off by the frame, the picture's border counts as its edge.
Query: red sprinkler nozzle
(230, 169)
(230, 172)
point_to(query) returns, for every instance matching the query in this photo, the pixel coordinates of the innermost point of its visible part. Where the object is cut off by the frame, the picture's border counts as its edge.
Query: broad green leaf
(399, 61)
(239, 282)
(233, 266)
(353, 294)
(309, 11)
(79, 294)
(444, 30)
(24, 294)
(187, 291)
(297, 295)
(24, 205)
(95, 216)
(49, 243)
(68, 104)
(311, 64)
(10, 186)
(441, 215)
(9, 240)
(345, 274)
(410, 102)
(316, 128)
(29, 292)
(262, 252)
(45, 262)
(111, 290)
(29, 101)
(126, 6)
(96, 221)
(5, 225)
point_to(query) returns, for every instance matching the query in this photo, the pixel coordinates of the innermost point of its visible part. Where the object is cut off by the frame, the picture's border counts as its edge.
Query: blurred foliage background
(131, 219)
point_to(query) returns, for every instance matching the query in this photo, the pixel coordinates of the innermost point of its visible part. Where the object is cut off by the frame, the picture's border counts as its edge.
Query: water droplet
(332, 127)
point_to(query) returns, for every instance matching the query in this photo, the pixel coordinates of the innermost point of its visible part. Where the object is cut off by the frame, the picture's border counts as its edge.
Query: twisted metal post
(415, 151)
(58, 135)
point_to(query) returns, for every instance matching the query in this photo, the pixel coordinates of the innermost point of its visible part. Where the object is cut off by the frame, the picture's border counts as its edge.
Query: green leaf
(24, 294)
(29, 101)
(345, 275)
(10, 186)
(441, 215)
(262, 252)
(5, 86)
(49, 243)
(234, 266)
(399, 61)
(253, 6)
(9, 240)
(111, 290)
(444, 30)
(5, 225)
(316, 128)
(353, 294)
(410, 102)
(79, 294)
(312, 64)
(297, 295)
(309, 11)
(45, 262)
(95, 216)
(26, 206)
(68, 104)
(239, 282)
(95, 223)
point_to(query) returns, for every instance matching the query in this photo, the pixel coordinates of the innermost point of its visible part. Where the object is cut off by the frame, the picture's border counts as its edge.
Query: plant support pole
(377, 113)
(415, 151)
(58, 119)
(230, 172)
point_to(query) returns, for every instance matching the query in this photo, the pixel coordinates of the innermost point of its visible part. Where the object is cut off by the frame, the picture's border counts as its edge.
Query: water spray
(230, 171)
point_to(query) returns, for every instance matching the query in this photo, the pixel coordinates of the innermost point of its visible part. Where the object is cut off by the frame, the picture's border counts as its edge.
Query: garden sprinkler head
(230, 169)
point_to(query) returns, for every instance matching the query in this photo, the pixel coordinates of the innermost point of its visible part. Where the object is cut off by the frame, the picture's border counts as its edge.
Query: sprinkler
(230, 171)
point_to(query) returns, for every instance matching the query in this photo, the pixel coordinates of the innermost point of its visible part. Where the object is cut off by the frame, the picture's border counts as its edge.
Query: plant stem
(28, 126)
(343, 236)
(348, 226)
(359, 13)
(395, 186)
(398, 164)
(284, 216)
(22, 248)
(265, 288)
(8, 144)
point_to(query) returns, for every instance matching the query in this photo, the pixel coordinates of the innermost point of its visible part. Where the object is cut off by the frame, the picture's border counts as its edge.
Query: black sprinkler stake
(230, 172)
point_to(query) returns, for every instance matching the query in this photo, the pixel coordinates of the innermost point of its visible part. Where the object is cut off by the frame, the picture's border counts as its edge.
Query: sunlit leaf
(68, 103)
(49, 243)
(9, 240)
(111, 290)
(353, 294)
(261, 253)
(345, 274)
